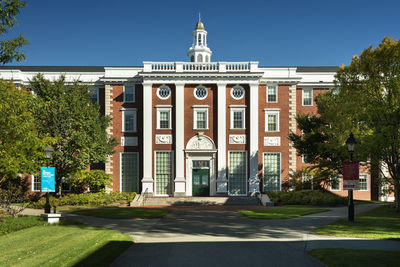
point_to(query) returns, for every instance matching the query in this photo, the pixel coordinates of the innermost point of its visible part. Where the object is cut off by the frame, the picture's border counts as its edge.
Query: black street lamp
(351, 146)
(48, 152)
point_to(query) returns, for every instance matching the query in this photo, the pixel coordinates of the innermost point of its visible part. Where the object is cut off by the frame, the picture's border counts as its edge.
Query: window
(238, 118)
(306, 159)
(129, 120)
(307, 181)
(363, 182)
(237, 180)
(163, 118)
(129, 93)
(129, 172)
(200, 118)
(36, 183)
(164, 172)
(307, 97)
(335, 183)
(272, 172)
(272, 120)
(237, 92)
(164, 92)
(200, 92)
(272, 94)
(95, 95)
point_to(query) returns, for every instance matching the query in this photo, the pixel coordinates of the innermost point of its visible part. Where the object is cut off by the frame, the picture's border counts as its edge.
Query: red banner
(351, 173)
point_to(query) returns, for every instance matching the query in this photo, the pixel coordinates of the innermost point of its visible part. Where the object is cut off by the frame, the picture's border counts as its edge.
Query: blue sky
(275, 33)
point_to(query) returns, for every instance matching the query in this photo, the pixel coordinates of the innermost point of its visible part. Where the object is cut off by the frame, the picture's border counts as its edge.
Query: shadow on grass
(105, 255)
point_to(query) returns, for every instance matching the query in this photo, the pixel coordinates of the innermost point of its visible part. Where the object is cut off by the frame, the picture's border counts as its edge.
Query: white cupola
(199, 52)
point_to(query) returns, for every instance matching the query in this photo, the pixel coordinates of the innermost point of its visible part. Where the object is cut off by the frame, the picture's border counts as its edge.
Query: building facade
(201, 128)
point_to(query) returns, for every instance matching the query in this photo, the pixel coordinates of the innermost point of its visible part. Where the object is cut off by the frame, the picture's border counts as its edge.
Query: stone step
(204, 201)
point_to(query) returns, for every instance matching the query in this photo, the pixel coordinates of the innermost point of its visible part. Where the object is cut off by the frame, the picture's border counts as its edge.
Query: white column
(180, 182)
(222, 183)
(147, 181)
(254, 181)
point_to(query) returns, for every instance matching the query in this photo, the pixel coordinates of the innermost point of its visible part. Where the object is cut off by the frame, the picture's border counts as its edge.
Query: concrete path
(226, 238)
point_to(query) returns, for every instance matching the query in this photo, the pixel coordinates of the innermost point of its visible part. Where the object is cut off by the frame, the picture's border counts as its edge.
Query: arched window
(192, 59)
(199, 58)
(207, 59)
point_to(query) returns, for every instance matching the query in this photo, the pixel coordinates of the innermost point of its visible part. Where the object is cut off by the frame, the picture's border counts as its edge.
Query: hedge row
(307, 197)
(92, 199)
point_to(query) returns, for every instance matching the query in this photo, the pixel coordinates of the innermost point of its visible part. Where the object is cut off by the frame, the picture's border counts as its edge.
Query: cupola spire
(199, 52)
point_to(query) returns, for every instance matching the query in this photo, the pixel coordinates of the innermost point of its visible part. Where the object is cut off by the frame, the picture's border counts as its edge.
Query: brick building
(200, 127)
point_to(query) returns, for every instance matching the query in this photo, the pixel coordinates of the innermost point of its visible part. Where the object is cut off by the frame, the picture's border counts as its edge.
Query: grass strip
(379, 223)
(280, 213)
(66, 244)
(333, 257)
(122, 213)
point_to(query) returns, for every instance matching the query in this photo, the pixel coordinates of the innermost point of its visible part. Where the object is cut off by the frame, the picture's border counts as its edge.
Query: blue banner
(48, 179)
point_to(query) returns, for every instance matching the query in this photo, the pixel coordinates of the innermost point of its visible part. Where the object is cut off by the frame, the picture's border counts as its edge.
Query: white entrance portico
(201, 148)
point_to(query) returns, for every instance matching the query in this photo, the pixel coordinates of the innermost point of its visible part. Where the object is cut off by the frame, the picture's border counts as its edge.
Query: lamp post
(351, 146)
(48, 152)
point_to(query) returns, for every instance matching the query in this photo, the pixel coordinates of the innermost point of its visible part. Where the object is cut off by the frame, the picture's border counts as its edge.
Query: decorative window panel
(164, 173)
(272, 172)
(129, 93)
(130, 172)
(237, 183)
(307, 97)
(363, 182)
(272, 95)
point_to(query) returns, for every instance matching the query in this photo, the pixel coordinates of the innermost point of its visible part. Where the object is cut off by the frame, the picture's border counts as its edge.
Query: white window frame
(133, 110)
(308, 177)
(195, 90)
(272, 112)
(340, 183)
(120, 169)
(237, 87)
(247, 170)
(163, 87)
(33, 183)
(312, 97)
(367, 181)
(134, 93)
(172, 171)
(199, 109)
(276, 93)
(238, 109)
(164, 109)
(280, 169)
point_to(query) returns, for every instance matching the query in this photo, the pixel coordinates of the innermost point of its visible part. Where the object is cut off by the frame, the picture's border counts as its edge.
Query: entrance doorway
(201, 178)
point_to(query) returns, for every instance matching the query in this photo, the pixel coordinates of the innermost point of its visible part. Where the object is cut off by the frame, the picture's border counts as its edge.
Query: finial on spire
(199, 17)
(199, 25)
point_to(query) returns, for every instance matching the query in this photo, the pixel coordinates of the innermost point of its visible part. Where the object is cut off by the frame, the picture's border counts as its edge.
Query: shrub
(92, 199)
(12, 224)
(307, 197)
(95, 180)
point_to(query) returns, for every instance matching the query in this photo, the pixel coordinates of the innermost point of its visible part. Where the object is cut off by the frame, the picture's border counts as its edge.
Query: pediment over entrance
(200, 142)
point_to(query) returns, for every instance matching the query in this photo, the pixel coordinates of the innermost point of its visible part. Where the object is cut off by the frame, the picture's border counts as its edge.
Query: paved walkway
(226, 238)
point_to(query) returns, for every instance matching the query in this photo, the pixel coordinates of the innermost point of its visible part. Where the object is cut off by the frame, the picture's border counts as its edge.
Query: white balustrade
(200, 66)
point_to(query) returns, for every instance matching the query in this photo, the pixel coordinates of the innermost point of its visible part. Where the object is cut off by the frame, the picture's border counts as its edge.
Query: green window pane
(271, 122)
(164, 120)
(271, 181)
(237, 183)
(164, 173)
(201, 120)
(237, 119)
(271, 93)
(129, 172)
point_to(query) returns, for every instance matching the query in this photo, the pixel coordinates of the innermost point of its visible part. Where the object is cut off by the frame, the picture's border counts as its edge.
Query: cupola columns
(199, 52)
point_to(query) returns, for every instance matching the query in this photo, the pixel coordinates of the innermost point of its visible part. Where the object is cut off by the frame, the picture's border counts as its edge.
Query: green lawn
(379, 223)
(122, 213)
(356, 257)
(67, 244)
(12, 224)
(280, 213)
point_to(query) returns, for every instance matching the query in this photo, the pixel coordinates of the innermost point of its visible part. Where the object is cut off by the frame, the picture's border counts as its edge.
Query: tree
(21, 145)
(11, 49)
(64, 112)
(368, 104)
